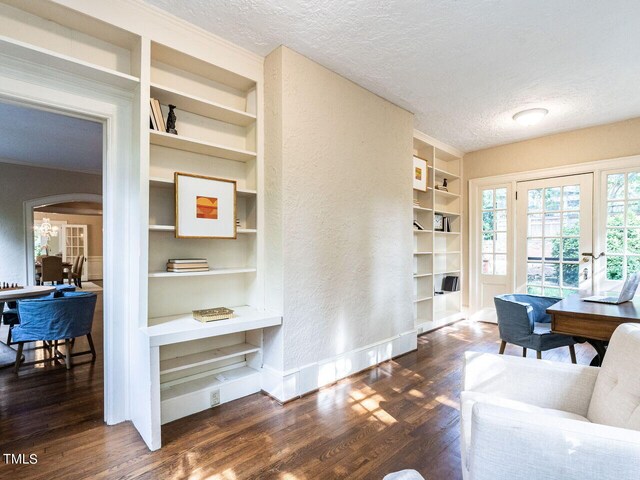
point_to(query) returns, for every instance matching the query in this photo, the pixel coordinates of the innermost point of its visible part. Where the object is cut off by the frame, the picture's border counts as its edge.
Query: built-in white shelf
(447, 213)
(444, 193)
(422, 209)
(445, 253)
(172, 228)
(43, 56)
(446, 233)
(187, 144)
(444, 272)
(415, 230)
(185, 362)
(200, 106)
(160, 182)
(422, 253)
(447, 293)
(183, 328)
(213, 271)
(421, 275)
(444, 173)
(194, 395)
(422, 299)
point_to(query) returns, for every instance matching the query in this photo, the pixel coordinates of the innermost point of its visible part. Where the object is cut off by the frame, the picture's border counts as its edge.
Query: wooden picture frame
(420, 172)
(205, 207)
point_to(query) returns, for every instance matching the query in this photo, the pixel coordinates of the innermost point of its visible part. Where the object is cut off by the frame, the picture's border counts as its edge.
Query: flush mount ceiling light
(531, 116)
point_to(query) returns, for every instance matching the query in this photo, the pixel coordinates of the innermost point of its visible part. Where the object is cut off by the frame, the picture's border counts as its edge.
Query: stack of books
(416, 202)
(156, 120)
(184, 265)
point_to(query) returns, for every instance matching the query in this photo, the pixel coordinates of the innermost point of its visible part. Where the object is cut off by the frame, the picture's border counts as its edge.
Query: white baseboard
(94, 268)
(290, 384)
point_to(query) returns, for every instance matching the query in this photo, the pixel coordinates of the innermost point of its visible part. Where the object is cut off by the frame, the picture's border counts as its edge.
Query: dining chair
(51, 269)
(523, 321)
(76, 272)
(63, 316)
(74, 267)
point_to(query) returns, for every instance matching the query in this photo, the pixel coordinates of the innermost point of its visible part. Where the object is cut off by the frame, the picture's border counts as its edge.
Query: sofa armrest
(507, 444)
(542, 383)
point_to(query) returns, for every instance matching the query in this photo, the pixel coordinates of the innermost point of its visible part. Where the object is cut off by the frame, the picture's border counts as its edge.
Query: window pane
(501, 220)
(633, 185)
(615, 186)
(487, 221)
(487, 199)
(534, 228)
(615, 214)
(552, 274)
(500, 265)
(534, 273)
(501, 242)
(552, 249)
(551, 224)
(552, 198)
(633, 241)
(570, 275)
(534, 290)
(487, 264)
(614, 268)
(487, 243)
(535, 200)
(633, 265)
(571, 224)
(501, 198)
(534, 249)
(567, 292)
(571, 197)
(615, 240)
(570, 249)
(552, 292)
(633, 214)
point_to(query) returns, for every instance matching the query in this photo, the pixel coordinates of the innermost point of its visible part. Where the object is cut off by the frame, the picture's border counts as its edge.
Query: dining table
(8, 354)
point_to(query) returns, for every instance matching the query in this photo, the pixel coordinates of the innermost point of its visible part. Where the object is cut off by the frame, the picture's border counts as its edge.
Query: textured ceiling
(464, 67)
(44, 139)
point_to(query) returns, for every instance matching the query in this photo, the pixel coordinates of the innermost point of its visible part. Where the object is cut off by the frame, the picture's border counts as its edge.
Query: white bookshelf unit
(437, 254)
(199, 365)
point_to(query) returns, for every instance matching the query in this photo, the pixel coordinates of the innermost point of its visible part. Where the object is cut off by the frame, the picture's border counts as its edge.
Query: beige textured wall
(340, 180)
(603, 142)
(19, 183)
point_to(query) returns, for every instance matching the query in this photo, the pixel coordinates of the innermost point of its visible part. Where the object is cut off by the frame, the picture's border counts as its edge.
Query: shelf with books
(211, 271)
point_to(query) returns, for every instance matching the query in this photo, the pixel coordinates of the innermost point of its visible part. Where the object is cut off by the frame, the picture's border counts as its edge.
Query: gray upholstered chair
(523, 321)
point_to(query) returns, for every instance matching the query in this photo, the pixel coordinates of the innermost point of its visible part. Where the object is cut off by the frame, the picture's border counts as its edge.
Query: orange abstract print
(418, 173)
(207, 207)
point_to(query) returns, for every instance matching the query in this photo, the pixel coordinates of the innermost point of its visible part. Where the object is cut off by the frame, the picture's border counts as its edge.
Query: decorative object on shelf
(443, 187)
(212, 314)
(419, 174)
(205, 207)
(417, 225)
(446, 224)
(237, 222)
(171, 120)
(183, 265)
(450, 283)
(416, 202)
(10, 286)
(438, 222)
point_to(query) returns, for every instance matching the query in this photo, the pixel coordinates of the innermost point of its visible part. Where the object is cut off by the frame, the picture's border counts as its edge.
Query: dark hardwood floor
(402, 414)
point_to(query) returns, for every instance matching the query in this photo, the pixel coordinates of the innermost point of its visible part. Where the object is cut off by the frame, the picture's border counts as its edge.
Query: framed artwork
(205, 206)
(419, 174)
(438, 222)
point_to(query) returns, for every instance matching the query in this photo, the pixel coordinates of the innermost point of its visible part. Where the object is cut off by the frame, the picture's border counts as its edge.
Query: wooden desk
(594, 322)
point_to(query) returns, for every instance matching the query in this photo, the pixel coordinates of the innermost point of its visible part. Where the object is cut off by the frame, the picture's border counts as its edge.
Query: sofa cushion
(468, 399)
(616, 394)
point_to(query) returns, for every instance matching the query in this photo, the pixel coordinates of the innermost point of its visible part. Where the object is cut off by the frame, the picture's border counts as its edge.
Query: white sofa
(532, 419)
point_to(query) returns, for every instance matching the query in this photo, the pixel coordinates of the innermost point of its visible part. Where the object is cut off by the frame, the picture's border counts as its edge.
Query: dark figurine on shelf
(171, 121)
(444, 185)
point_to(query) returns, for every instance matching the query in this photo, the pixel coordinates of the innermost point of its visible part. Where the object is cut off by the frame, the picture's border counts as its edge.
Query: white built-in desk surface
(183, 328)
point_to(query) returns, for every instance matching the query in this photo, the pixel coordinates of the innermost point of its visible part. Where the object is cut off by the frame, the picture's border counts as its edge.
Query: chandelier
(48, 230)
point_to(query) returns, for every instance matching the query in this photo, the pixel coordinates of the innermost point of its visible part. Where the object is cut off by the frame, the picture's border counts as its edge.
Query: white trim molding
(290, 384)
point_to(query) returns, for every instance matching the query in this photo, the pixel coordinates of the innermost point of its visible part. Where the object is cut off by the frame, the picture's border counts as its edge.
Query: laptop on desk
(628, 291)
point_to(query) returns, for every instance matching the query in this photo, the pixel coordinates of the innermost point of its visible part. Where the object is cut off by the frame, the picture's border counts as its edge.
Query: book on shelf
(187, 260)
(212, 314)
(186, 265)
(185, 270)
(157, 115)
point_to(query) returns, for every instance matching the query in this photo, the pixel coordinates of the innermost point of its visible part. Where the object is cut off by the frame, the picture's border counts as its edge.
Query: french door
(554, 228)
(76, 245)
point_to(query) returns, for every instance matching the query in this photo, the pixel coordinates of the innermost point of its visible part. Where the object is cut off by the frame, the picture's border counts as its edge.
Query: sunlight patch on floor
(228, 474)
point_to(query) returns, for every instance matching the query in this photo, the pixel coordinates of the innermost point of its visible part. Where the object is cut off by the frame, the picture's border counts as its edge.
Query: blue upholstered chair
(523, 321)
(63, 316)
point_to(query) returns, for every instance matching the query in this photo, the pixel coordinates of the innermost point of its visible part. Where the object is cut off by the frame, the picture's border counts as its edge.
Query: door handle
(590, 254)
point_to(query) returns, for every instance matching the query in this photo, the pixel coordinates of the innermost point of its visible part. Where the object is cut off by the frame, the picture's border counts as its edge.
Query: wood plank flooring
(402, 414)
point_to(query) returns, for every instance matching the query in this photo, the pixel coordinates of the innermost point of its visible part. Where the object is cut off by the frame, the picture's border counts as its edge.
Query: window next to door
(494, 231)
